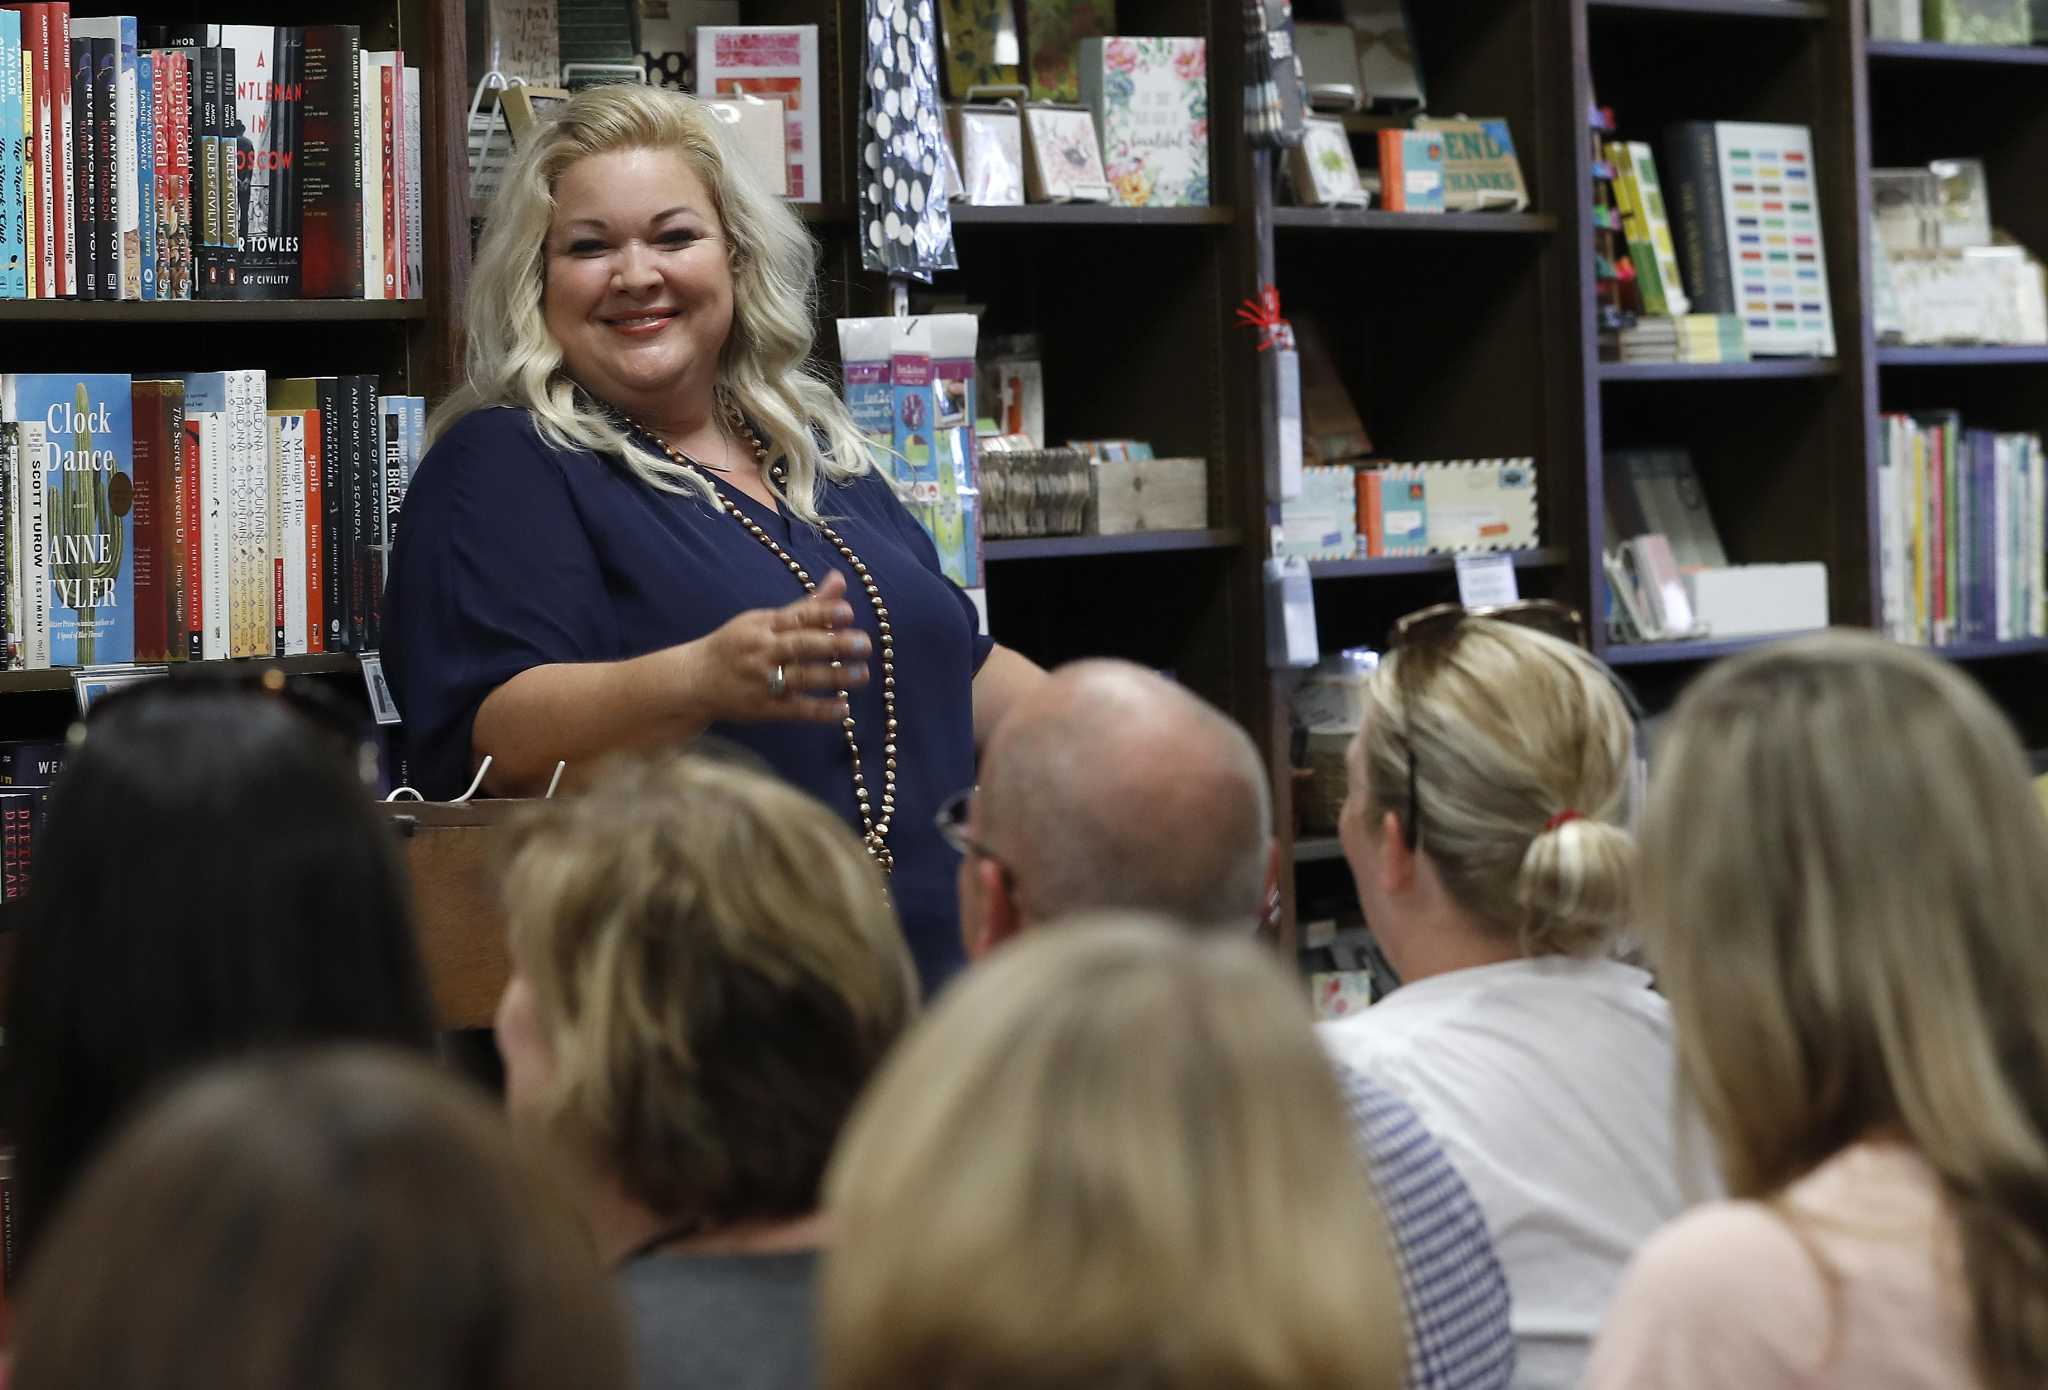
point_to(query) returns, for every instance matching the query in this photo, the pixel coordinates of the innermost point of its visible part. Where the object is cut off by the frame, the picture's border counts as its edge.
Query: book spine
(228, 179)
(332, 178)
(206, 172)
(106, 127)
(215, 539)
(334, 510)
(178, 529)
(1393, 172)
(17, 823)
(152, 489)
(390, 494)
(1702, 218)
(273, 551)
(192, 555)
(415, 213)
(84, 221)
(10, 591)
(32, 222)
(145, 176)
(15, 240)
(389, 124)
(47, 153)
(371, 148)
(363, 493)
(253, 496)
(65, 174)
(128, 158)
(184, 249)
(315, 559)
(35, 550)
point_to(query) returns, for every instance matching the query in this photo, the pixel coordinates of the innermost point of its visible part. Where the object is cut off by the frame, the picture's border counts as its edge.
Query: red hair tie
(1563, 817)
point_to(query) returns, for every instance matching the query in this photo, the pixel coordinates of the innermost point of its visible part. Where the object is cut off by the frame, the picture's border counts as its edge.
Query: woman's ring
(778, 684)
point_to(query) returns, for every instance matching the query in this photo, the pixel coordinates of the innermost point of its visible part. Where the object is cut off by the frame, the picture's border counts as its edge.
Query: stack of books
(204, 161)
(1689, 338)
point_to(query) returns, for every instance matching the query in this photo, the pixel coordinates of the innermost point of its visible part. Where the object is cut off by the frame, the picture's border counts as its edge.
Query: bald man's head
(1112, 787)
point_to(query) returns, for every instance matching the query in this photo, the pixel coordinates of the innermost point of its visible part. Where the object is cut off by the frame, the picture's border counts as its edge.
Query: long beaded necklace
(875, 827)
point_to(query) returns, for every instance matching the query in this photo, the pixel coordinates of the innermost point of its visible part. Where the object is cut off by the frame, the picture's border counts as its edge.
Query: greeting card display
(989, 141)
(1065, 163)
(1150, 97)
(1324, 171)
(771, 61)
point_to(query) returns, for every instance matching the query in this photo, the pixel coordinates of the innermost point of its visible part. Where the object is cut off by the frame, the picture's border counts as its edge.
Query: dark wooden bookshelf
(1381, 567)
(1758, 369)
(1415, 223)
(229, 311)
(1665, 653)
(1989, 355)
(1088, 215)
(1740, 9)
(1896, 51)
(1992, 650)
(59, 677)
(1135, 543)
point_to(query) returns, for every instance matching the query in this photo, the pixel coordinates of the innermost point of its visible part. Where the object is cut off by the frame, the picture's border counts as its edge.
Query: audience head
(212, 878)
(769, 282)
(330, 1221)
(1110, 1156)
(1489, 784)
(707, 970)
(1112, 788)
(1845, 879)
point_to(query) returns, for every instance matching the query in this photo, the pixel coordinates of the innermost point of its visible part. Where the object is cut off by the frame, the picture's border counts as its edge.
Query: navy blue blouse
(513, 554)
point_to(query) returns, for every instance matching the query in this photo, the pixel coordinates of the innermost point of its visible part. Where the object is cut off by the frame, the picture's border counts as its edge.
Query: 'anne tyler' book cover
(89, 492)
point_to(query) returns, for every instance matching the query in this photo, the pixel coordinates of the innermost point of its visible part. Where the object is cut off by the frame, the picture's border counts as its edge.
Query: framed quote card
(1325, 173)
(1064, 158)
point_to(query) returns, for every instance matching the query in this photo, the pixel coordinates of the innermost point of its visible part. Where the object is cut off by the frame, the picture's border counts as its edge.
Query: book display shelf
(1458, 344)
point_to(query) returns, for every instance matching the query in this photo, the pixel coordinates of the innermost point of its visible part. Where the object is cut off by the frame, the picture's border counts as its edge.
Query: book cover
(1411, 171)
(155, 445)
(115, 128)
(316, 535)
(331, 172)
(415, 213)
(1692, 151)
(1053, 33)
(10, 590)
(262, 116)
(82, 186)
(145, 172)
(1771, 223)
(778, 61)
(87, 466)
(369, 124)
(14, 241)
(1481, 172)
(45, 157)
(1649, 188)
(1150, 97)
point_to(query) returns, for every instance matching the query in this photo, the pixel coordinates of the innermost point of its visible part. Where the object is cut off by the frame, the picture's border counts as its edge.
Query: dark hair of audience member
(212, 878)
(342, 1220)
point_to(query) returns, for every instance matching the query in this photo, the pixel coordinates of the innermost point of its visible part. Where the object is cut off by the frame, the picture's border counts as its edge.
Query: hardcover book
(115, 126)
(1150, 97)
(262, 112)
(1481, 173)
(31, 543)
(156, 443)
(14, 239)
(145, 172)
(87, 467)
(331, 178)
(10, 586)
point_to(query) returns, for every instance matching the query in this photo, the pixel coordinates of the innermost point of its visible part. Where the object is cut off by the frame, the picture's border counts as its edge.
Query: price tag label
(381, 704)
(1486, 581)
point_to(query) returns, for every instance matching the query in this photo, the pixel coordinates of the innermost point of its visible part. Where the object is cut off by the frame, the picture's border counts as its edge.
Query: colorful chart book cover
(1150, 97)
(1774, 238)
(89, 494)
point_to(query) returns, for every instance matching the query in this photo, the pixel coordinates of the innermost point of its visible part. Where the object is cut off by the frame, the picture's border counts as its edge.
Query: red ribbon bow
(1564, 817)
(1263, 313)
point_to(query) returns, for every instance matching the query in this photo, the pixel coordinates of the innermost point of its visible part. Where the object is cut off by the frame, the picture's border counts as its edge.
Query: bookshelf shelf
(2004, 55)
(1665, 653)
(1745, 9)
(1546, 556)
(1763, 369)
(2027, 355)
(1316, 849)
(1983, 651)
(1136, 543)
(212, 310)
(1415, 223)
(59, 678)
(1089, 215)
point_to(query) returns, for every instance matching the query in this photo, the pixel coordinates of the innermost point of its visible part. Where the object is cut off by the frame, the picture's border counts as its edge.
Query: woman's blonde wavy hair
(1509, 728)
(1844, 889)
(1112, 1156)
(717, 972)
(765, 370)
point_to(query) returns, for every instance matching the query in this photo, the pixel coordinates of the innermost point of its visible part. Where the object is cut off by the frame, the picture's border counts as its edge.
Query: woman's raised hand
(787, 663)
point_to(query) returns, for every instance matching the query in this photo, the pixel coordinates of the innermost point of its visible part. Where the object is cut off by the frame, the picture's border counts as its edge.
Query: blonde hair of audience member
(1522, 752)
(1111, 1155)
(714, 972)
(325, 1221)
(511, 359)
(1845, 881)
(1115, 789)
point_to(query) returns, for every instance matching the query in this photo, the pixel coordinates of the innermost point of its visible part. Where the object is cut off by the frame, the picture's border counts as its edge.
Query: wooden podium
(452, 854)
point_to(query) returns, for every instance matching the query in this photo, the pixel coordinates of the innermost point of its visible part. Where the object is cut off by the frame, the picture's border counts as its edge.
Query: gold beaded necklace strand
(876, 828)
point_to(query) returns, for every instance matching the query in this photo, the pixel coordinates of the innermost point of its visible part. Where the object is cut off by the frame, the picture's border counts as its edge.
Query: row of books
(1403, 509)
(209, 161)
(191, 516)
(1691, 338)
(1963, 523)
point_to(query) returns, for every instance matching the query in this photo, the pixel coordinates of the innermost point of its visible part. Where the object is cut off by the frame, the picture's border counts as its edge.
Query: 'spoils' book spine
(315, 558)
(14, 239)
(331, 176)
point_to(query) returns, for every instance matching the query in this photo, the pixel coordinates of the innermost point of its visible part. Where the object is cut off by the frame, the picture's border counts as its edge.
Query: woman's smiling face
(639, 281)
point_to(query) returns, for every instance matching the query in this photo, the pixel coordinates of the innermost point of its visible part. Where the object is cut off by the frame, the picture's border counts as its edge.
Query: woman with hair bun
(1490, 783)
(645, 515)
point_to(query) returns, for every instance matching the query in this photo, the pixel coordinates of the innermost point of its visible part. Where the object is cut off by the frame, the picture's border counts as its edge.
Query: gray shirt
(722, 1322)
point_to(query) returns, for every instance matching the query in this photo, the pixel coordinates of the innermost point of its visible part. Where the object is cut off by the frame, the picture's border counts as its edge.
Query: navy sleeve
(494, 573)
(920, 542)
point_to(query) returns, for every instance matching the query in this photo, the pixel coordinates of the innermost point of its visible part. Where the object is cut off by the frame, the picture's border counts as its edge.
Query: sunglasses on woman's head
(1437, 627)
